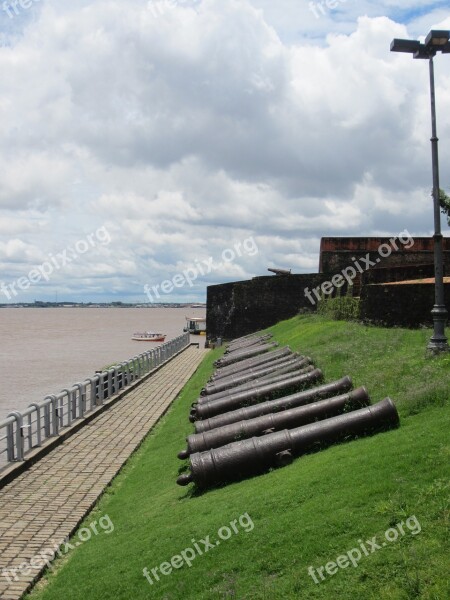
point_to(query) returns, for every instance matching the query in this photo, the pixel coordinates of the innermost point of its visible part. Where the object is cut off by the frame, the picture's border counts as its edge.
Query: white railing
(24, 431)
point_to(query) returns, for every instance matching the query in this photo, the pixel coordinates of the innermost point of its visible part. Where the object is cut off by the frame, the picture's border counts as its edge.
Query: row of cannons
(266, 405)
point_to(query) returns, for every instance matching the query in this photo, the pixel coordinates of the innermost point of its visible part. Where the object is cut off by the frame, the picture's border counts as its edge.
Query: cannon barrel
(280, 272)
(272, 390)
(258, 378)
(257, 383)
(286, 419)
(249, 342)
(252, 373)
(245, 348)
(258, 454)
(248, 353)
(248, 371)
(251, 362)
(264, 408)
(244, 338)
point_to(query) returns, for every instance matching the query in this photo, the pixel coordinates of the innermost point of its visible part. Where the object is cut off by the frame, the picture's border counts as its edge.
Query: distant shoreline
(102, 305)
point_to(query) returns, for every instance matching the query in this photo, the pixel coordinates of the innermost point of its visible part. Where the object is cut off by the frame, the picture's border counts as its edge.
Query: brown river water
(44, 350)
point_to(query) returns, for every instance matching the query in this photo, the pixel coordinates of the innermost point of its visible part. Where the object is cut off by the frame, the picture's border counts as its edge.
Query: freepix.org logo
(201, 268)
(352, 557)
(359, 266)
(54, 263)
(13, 8)
(61, 548)
(198, 548)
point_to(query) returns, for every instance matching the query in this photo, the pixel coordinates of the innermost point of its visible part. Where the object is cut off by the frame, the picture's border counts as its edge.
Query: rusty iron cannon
(251, 373)
(279, 358)
(258, 454)
(256, 377)
(286, 419)
(248, 342)
(245, 338)
(280, 272)
(251, 363)
(265, 392)
(257, 383)
(247, 353)
(313, 394)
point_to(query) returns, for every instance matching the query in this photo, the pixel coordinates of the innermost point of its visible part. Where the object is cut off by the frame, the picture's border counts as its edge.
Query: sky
(149, 149)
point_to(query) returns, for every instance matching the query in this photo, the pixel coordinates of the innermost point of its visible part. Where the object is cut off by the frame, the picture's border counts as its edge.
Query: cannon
(253, 373)
(248, 353)
(234, 383)
(257, 383)
(258, 454)
(241, 340)
(248, 342)
(280, 272)
(264, 408)
(271, 390)
(251, 362)
(244, 347)
(303, 366)
(286, 419)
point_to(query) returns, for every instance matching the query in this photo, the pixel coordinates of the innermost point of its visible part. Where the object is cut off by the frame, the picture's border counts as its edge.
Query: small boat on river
(148, 336)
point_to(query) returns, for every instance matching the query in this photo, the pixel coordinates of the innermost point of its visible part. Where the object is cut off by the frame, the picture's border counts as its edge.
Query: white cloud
(215, 121)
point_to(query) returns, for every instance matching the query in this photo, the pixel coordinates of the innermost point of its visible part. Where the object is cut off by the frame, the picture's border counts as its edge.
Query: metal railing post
(81, 398)
(69, 407)
(10, 442)
(19, 435)
(38, 423)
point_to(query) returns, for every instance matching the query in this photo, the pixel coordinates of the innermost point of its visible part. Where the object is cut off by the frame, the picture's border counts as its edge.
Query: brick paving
(46, 503)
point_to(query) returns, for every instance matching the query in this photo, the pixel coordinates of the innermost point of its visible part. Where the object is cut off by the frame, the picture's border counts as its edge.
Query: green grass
(306, 514)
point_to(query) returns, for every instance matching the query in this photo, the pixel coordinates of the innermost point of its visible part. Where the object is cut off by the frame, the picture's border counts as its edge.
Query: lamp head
(437, 39)
(410, 46)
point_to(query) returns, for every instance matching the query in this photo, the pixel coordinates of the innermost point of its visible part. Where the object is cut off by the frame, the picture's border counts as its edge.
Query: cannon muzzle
(286, 419)
(258, 454)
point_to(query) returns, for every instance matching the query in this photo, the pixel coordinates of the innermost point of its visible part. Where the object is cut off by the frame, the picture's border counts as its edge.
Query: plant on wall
(444, 201)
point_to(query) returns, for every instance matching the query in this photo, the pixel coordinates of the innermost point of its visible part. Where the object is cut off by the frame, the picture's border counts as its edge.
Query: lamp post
(436, 41)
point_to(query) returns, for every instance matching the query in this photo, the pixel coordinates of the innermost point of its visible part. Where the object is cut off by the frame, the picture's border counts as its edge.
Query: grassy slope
(305, 514)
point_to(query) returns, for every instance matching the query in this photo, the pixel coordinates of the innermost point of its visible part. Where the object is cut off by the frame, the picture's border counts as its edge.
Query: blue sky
(183, 128)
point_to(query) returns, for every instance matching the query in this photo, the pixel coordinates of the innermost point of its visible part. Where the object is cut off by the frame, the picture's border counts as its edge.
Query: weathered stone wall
(401, 305)
(403, 273)
(239, 308)
(336, 253)
(236, 309)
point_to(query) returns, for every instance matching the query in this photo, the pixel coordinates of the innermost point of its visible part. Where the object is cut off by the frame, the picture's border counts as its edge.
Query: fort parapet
(242, 307)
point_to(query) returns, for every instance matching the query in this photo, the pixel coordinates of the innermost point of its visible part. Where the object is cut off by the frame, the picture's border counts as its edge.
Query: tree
(444, 201)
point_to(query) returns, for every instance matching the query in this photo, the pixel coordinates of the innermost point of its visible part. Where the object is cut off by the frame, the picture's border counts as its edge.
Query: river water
(44, 350)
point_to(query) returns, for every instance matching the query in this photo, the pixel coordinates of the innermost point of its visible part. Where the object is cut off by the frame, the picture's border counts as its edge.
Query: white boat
(148, 336)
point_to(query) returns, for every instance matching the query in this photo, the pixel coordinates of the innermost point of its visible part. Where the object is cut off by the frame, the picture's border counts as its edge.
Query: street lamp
(436, 41)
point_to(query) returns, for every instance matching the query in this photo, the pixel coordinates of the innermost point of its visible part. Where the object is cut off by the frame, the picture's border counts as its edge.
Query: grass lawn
(342, 499)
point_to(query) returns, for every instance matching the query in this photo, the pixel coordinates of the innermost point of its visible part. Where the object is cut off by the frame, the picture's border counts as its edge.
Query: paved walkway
(46, 503)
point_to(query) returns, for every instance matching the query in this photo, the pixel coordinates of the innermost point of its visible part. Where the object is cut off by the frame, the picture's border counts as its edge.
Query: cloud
(194, 128)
